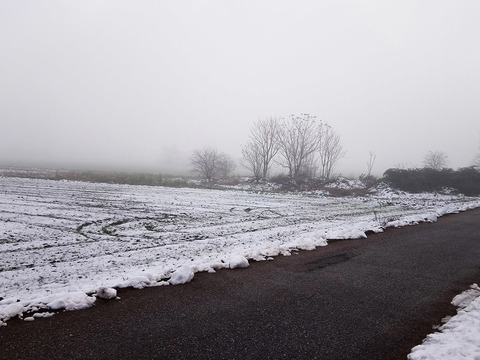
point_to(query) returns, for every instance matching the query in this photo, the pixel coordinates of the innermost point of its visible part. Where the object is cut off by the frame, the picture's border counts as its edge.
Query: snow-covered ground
(459, 337)
(63, 243)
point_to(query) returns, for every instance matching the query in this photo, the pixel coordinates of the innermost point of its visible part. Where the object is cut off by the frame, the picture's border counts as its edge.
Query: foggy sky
(143, 83)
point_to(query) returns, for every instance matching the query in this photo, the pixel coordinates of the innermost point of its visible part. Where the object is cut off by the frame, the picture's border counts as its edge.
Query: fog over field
(127, 84)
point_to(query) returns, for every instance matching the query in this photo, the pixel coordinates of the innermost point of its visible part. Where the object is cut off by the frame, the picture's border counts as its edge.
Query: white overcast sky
(143, 83)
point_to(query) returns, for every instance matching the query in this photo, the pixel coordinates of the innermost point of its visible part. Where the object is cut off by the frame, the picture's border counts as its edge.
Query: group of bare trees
(262, 147)
(209, 164)
(304, 146)
(301, 144)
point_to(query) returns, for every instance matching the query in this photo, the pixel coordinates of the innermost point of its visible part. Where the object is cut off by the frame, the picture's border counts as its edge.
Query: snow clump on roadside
(182, 275)
(459, 336)
(106, 293)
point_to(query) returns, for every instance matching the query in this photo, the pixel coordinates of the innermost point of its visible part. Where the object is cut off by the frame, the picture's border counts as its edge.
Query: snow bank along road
(62, 243)
(373, 298)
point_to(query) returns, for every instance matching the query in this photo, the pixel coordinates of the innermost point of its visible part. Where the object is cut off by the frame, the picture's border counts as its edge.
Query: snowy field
(63, 244)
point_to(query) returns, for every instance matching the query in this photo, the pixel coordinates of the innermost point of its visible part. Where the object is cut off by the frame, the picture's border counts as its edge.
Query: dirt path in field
(359, 299)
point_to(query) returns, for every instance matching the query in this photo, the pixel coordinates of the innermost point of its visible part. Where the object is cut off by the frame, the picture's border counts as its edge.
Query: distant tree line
(88, 176)
(436, 177)
(428, 179)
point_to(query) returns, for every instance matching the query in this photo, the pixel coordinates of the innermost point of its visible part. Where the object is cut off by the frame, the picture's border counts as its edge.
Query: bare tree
(435, 160)
(370, 163)
(205, 163)
(253, 160)
(330, 150)
(225, 165)
(262, 146)
(297, 140)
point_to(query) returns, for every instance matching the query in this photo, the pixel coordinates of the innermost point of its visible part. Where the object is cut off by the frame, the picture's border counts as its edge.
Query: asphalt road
(374, 298)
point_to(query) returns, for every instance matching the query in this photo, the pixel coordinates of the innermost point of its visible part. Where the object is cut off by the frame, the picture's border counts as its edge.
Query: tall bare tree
(436, 160)
(330, 150)
(262, 146)
(298, 142)
(225, 165)
(370, 163)
(205, 163)
(253, 160)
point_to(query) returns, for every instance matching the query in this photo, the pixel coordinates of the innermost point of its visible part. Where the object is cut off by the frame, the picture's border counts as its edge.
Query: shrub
(466, 180)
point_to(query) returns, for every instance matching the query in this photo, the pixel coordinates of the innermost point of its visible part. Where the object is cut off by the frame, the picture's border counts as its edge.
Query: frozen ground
(63, 244)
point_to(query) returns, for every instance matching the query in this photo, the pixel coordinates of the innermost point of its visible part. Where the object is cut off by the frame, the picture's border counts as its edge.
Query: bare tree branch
(253, 160)
(330, 150)
(297, 145)
(262, 146)
(205, 163)
(370, 163)
(225, 165)
(436, 160)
